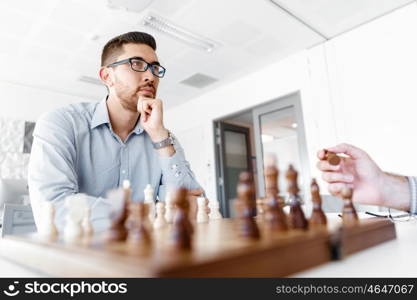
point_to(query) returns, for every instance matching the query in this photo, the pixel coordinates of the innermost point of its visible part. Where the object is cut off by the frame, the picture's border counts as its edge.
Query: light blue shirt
(76, 151)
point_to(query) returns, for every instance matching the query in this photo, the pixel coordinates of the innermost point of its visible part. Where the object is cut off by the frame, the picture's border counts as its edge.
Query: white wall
(23, 102)
(359, 88)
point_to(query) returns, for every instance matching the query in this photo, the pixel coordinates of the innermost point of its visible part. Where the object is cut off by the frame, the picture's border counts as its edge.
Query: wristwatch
(170, 140)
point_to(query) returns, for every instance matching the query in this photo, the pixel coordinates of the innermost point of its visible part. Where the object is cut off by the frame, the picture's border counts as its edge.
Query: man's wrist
(159, 135)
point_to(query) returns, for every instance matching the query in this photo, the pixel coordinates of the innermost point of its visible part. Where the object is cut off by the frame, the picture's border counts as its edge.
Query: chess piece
(297, 219)
(244, 208)
(160, 216)
(215, 213)
(250, 201)
(349, 215)
(202, 216)
(86, 223)
(275, 217)
(48, 228)
(260, 208)
(182, 229)
(318, 218)
(117, 230)
(76, 206)
(149, 199)
(332, 157)
(169, 208)
(138, 233)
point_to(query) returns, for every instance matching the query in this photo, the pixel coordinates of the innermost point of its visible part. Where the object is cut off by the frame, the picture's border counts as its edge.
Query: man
(92, 147)
(371, 185)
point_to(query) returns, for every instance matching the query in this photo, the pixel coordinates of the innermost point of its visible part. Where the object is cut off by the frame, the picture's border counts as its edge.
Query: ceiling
(50, 44)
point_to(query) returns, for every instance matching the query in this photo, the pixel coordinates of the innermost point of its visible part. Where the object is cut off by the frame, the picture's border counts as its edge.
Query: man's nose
(148, 75)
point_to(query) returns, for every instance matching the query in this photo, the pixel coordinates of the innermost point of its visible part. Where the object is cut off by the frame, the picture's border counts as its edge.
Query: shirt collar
(101, 116)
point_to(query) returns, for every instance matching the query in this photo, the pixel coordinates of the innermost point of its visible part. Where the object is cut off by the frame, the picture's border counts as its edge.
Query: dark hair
(113, 48)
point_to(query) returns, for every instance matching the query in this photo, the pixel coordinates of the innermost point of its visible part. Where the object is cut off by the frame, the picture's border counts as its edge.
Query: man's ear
(106, 76)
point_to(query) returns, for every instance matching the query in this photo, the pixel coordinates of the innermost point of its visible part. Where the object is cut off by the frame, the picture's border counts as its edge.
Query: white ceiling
(51, 43)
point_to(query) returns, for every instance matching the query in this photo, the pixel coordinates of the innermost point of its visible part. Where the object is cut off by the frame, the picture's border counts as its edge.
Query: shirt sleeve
(52, 175)
(412, 181)
(176, 172)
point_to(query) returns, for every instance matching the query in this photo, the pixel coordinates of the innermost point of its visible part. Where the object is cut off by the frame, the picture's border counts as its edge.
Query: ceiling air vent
(199, 80)
(91, 80)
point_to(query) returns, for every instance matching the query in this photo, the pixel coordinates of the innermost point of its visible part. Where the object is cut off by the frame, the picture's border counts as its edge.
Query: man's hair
(114, 47)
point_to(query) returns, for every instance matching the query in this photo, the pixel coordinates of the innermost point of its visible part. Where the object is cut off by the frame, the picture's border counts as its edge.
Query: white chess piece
(76, 205)
(214, 210)
(150, 201)
(86, 223)
(202, 216)
(47, 228)
(169, 208)
(160, 216)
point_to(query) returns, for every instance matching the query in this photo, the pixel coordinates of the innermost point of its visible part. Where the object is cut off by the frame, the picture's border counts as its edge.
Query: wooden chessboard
(217, 251)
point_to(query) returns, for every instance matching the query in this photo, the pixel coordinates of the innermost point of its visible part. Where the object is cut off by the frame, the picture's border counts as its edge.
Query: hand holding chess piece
(318, 218)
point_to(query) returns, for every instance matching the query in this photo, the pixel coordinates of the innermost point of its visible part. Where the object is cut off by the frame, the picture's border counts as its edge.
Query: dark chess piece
(250, 202)
(247, 225)
(117, 231)
(182, 228)
(332, 157)
(275, 217)
(297, 219)
(318, 218)
(138, 232)
(349, 215)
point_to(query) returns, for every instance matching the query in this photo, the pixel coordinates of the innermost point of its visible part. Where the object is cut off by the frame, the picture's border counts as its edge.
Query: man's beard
(128, 97)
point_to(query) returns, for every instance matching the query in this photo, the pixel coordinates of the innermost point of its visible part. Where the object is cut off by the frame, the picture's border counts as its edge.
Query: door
(279, 131)
(233, 156)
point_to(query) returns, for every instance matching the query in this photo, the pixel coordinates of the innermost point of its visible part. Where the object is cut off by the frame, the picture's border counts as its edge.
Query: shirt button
(123, 172)
(174, 166)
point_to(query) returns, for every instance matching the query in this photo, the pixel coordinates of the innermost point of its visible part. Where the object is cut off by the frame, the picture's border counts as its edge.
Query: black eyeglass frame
(129, 60)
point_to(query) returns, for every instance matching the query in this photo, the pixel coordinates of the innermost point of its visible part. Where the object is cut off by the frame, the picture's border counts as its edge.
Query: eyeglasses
(139, 65)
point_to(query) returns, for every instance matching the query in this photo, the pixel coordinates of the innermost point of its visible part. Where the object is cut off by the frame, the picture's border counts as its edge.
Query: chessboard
(217, 251)
(270, 236)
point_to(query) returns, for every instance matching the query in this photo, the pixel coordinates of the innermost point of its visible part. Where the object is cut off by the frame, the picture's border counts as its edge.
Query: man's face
(128, 84)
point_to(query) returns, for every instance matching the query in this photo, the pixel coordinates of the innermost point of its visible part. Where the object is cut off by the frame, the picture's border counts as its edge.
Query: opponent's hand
(357, 171)
(151, 118)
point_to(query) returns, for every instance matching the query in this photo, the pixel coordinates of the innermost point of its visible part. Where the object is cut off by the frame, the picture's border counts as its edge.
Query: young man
(371, 185)
(92, 147)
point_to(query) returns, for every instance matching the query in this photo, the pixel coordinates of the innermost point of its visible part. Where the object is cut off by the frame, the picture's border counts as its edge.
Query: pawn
(182, 229)
(260, 209)
(202, 208)
(215, 213)
(160, 216)
(169, 208)
(138, 232)
(76, 205)
(318, 218)
(86, 223)
(349, 215)
(274, 216)
(297, 219)
(247, 225)
(149, 199)
(48, 228)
